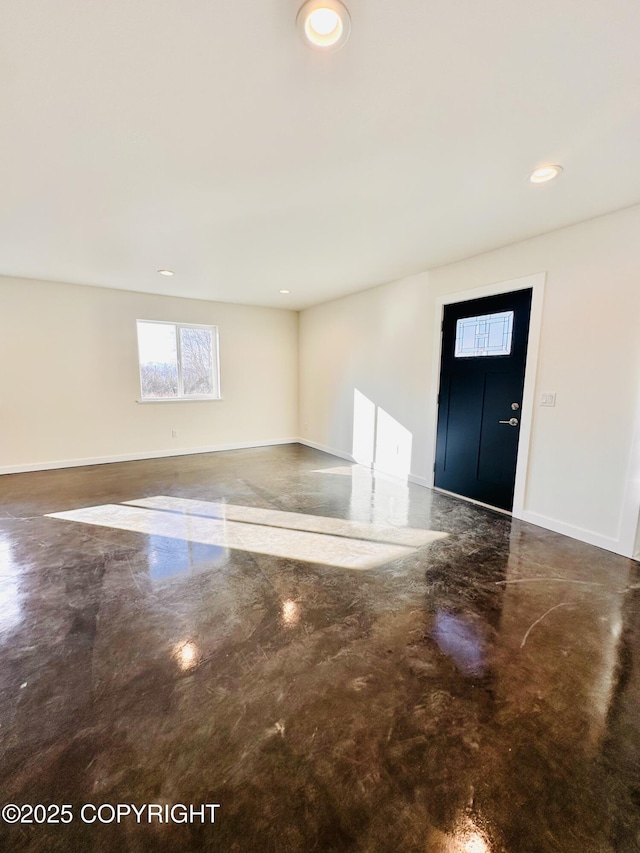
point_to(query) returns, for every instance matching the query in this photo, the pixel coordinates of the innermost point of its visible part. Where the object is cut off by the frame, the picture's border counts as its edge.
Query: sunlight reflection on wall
(364, 429)
(379, 440)
(393, 446)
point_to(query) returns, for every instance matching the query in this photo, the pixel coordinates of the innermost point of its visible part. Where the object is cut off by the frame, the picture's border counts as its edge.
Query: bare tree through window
(196, 347)
(177, 361)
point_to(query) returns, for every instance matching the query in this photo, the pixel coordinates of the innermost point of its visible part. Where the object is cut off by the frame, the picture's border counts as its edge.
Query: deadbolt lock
(515, 406)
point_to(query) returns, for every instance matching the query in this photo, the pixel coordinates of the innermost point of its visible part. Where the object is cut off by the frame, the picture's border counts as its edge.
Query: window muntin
(488, 334)
(178, 361)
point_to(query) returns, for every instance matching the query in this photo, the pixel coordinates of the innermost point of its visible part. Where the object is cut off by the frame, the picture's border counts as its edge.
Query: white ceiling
(203, 136)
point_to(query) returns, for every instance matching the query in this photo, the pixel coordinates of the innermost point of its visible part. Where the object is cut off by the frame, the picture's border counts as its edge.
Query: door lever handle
(511, 422)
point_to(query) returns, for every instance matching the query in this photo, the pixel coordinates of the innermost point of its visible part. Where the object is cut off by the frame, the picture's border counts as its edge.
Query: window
(489, 334)
(178, 361)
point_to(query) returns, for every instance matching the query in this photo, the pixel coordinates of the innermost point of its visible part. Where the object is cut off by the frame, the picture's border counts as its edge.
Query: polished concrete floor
(341, 662)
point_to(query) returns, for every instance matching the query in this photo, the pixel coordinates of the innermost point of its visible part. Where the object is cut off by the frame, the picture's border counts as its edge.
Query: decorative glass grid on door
(489, 334)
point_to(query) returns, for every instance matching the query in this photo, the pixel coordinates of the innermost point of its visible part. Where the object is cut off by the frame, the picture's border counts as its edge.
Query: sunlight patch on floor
(316, 539)
(410, 536)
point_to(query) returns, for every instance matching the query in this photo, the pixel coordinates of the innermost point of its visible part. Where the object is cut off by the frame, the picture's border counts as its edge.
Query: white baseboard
(324, 449)
(420, 481)
(580, 533)
(136, 457)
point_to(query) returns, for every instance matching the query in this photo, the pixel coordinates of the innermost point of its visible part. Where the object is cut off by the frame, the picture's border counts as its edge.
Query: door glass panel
(489, 334)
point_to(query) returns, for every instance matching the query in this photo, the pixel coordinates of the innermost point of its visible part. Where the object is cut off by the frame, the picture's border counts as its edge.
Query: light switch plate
(548, 398)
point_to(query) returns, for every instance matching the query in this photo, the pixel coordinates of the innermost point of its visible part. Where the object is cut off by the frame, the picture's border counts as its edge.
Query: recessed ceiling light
(544, 174)
(285, 291)
(325, 24)
(165, 272)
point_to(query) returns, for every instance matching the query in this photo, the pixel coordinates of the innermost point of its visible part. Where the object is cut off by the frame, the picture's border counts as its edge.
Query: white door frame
(629, 531)
(536, 283)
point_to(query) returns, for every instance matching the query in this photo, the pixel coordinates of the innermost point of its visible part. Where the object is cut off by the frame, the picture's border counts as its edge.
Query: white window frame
(215, 367)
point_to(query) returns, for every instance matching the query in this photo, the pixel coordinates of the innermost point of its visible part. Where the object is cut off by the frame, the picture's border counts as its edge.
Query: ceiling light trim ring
(324, 38)
(546, 173)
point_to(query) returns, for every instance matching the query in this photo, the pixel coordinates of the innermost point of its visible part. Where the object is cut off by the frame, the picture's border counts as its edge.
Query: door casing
(536, 282)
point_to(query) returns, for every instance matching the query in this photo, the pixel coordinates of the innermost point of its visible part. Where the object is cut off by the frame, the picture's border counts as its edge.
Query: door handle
(511, 422)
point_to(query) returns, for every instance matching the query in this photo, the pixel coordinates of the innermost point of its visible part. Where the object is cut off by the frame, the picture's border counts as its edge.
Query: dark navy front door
(484, 349)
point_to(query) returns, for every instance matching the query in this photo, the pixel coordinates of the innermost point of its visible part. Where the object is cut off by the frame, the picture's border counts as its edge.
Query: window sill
(181, 400)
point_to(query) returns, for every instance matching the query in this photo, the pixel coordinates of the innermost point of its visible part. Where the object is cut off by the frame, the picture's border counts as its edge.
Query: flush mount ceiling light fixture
(544, 174)
(285, 291)
(165, 272)
(324, 24)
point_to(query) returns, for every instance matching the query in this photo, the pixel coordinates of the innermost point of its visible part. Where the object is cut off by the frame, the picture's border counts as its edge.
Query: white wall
(377, 343)
(70, 383)
(580, 477)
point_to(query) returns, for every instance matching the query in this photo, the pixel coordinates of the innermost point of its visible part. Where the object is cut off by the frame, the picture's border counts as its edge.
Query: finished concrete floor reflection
(191, 631)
